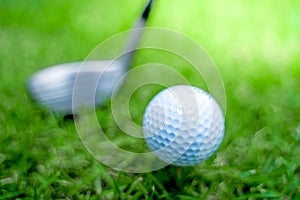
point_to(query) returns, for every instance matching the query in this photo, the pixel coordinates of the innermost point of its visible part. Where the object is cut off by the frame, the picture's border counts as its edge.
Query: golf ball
(183, 125)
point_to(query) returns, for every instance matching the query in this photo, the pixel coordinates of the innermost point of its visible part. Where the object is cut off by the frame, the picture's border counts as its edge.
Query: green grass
(255, 45)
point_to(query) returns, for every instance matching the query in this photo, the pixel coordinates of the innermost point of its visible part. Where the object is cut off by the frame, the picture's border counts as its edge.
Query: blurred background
(255, 45)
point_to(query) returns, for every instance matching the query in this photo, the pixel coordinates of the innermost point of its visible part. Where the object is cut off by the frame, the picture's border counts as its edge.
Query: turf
(255, 45)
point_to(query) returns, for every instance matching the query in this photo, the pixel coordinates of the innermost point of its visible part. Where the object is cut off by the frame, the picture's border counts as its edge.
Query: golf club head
(53, 87)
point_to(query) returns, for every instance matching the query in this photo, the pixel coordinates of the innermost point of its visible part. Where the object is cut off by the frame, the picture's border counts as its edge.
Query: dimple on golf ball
(183, 125)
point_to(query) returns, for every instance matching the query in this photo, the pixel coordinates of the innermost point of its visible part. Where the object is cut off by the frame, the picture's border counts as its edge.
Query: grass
(255, 44)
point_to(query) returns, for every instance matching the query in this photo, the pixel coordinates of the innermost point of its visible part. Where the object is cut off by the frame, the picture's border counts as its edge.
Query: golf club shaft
(147, 10)
(135, 35)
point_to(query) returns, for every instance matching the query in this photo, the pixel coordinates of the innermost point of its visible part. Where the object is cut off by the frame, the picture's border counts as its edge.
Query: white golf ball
(183, 125)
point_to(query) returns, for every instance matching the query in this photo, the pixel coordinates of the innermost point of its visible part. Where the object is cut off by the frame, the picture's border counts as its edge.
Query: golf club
(53, 87)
